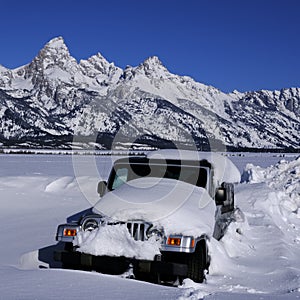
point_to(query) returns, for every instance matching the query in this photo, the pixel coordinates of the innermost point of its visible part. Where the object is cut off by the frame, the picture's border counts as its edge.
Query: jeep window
(121, 176)
(190, 174)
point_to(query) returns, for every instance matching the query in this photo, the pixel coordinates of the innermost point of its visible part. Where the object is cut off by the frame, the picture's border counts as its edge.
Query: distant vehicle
(171, 203)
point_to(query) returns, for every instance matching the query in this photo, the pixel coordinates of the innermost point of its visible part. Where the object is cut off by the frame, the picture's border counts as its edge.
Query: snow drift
(284, 180)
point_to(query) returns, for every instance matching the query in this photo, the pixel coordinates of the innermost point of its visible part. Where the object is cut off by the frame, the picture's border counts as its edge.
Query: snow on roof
(224, 168)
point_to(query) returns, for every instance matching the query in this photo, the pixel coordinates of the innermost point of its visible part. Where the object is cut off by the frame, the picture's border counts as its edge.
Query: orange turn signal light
(174, 241)
(70, 232)
(192, 243)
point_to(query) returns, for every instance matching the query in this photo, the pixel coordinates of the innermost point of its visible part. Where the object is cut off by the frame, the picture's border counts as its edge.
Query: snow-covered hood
(177, 206)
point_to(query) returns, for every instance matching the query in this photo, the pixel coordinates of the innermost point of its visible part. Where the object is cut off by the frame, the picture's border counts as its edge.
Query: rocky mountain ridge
(54, 101)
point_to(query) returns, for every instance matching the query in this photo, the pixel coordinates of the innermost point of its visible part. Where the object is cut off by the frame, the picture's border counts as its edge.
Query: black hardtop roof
(146, 160)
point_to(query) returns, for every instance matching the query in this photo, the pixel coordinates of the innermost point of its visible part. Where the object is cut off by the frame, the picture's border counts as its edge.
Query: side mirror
(221, 196)
(101, 189)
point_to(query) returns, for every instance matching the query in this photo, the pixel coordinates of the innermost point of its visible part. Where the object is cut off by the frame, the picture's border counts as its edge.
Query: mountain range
(57, 102)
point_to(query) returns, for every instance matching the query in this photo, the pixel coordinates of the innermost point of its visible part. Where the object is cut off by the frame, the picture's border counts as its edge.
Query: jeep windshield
(124, 172)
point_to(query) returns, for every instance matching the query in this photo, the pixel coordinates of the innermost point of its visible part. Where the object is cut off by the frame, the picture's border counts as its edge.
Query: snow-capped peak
(153, 61)
(97, 64)
(55, 49)
(153, 67)
(57, 43)
(55, 54)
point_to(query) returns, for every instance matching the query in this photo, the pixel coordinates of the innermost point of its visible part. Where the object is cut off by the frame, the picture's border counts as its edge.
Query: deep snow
(258, 258)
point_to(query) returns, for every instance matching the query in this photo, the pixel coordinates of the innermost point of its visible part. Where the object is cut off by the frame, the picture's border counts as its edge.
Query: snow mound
(60, 184)
(283, 179)
(30, 261)
(115, 240)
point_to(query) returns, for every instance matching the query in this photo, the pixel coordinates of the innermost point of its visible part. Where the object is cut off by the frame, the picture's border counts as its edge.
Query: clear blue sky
(230, 44)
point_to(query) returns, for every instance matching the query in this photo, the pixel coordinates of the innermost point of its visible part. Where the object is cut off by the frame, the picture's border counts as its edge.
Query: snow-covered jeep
(155, 217)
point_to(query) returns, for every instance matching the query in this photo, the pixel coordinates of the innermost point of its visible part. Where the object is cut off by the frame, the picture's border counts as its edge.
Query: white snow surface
(284, 178)
(115, 240)
(178, 207)
(258, 258)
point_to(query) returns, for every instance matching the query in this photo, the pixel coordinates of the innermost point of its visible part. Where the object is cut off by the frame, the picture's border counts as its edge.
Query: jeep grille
(138, 230)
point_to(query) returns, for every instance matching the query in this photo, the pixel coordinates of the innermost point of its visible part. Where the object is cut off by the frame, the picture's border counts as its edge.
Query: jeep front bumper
(118, 265)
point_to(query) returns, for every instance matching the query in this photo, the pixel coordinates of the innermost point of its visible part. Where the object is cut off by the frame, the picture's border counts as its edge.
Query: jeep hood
(178, 207)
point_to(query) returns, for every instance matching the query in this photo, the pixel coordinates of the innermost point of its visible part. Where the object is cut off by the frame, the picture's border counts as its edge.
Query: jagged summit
(55, 48)
(55, 54)
(153, 61)
(57, 42)
(99, 58)
(98, 62)
(152, 66)
(102, 72)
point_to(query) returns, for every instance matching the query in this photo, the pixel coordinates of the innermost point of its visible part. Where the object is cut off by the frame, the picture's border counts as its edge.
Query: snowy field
(258, 258)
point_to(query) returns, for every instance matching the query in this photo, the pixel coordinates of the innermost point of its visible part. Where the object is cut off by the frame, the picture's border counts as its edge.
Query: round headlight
(155, 232)
(90, 225)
